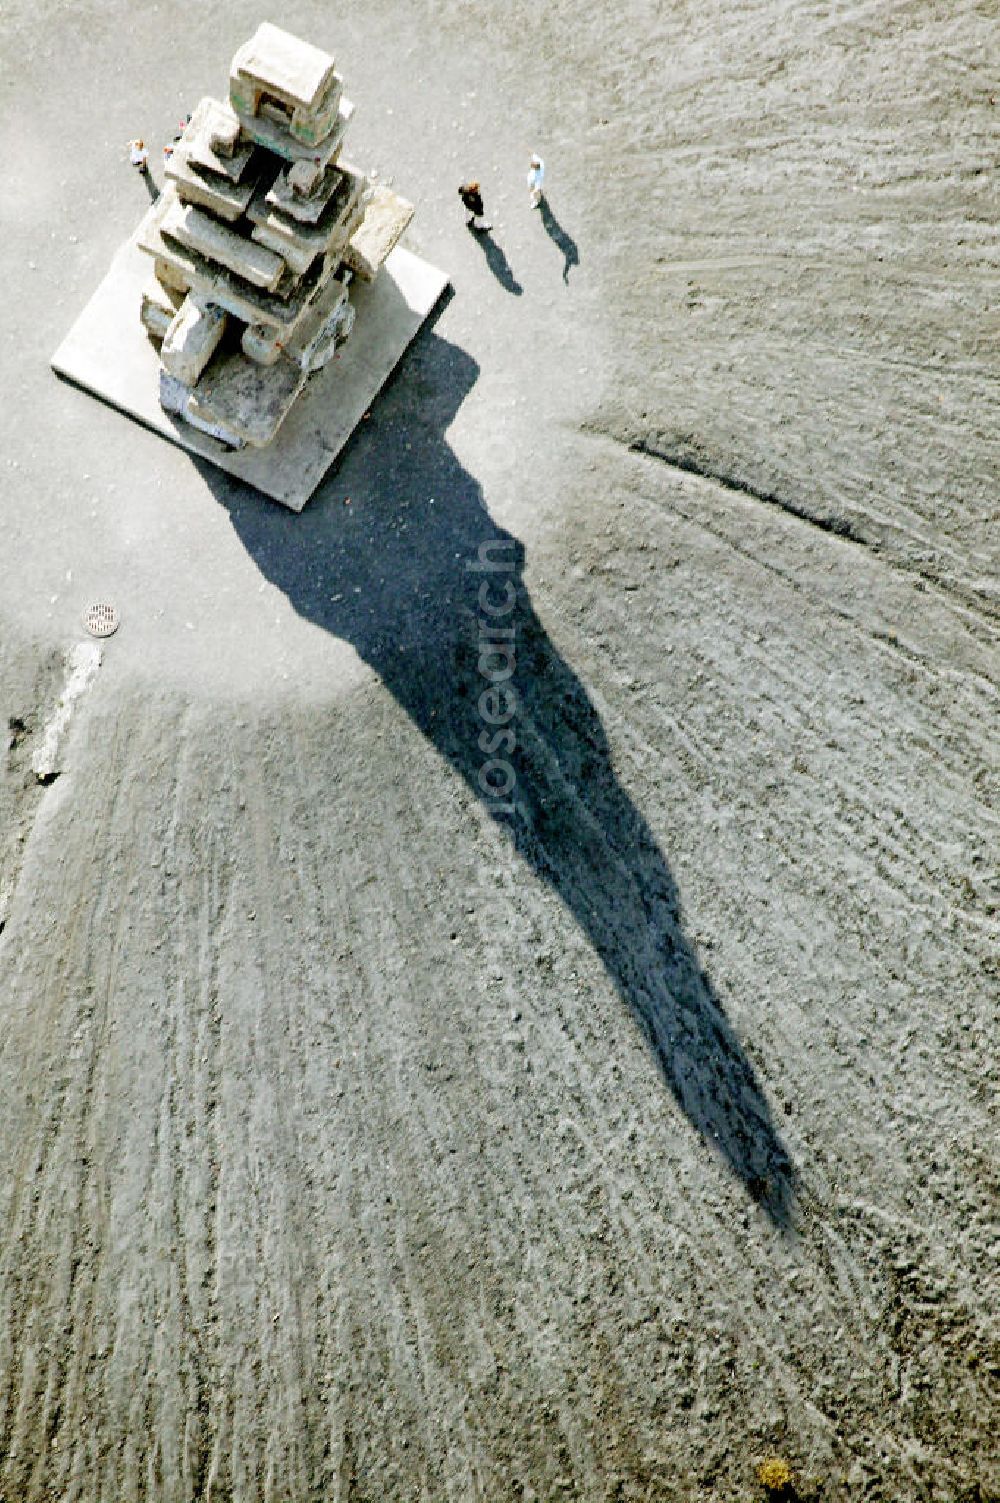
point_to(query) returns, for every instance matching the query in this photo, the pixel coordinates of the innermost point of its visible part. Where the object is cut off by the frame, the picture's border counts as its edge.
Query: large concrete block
(192, 339)
(277, 77)
(385, 218)
(195, 185)
(298, 258)
(211, 140)
(327, 321)
(175, 397)
(200, 232)
(276, 63)
(288, 198)
(247, 398)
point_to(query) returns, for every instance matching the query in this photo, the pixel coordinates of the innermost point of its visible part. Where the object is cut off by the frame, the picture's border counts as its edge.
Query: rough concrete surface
(108, 353)
(363, 1142)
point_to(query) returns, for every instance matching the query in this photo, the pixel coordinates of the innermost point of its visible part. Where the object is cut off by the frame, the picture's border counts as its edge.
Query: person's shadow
(150, 182)
(497, 261)
(431, 594)
(561, 238)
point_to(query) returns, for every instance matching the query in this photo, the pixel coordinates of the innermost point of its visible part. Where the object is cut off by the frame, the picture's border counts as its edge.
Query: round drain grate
(100, 620)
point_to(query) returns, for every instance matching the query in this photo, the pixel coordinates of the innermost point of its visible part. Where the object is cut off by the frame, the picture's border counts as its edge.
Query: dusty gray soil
(363, 1141)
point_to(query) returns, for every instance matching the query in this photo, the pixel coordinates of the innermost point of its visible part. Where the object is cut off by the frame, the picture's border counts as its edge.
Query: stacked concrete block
(386, 217)
(255, 240)
(192, 338)
(276, 77)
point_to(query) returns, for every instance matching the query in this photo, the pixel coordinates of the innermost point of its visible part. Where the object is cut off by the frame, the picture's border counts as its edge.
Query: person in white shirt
(137, 154)
(536, 178)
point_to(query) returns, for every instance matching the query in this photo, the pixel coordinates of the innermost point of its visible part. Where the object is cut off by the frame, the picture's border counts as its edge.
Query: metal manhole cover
(100, 620)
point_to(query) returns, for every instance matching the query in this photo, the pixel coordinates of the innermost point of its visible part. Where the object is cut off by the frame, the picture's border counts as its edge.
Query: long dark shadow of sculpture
(561, 239)
(417, 576)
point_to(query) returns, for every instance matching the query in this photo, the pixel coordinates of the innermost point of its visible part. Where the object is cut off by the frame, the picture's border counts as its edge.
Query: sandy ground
(364, 1140)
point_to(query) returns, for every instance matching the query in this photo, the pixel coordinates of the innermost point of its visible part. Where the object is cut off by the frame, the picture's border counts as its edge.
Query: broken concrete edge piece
(82, 663)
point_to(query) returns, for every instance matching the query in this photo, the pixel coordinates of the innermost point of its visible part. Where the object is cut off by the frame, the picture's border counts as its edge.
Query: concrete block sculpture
(254, 256)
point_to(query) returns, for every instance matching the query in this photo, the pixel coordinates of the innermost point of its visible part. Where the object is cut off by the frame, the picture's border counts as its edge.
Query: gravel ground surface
(365, 1139)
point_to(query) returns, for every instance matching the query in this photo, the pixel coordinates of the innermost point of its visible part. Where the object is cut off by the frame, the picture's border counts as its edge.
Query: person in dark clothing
(472, 198)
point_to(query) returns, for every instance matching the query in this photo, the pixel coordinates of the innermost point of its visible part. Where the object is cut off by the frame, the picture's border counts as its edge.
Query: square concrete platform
(109, 353)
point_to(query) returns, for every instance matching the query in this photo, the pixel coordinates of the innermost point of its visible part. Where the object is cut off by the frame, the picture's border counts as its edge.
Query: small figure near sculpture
(472, 199)
(536, 180)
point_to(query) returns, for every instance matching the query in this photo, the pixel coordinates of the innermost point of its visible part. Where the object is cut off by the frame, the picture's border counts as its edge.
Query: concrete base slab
(109, 353)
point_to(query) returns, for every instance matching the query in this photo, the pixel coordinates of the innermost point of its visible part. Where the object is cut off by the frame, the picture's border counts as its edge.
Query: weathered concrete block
(314, 124)
(173, 393)
(175, 398)
(158, 306)
(248, 399)
(386, 216)
(192, 339)
(189, 269)
(328, 338)
(275, 63)
(223, 135)
(200, 232)
(195, 185)
(276, 135)
(304, 178)
(171, 276)
(300, 242)
(325, 323)
(156, 320)
(285, 196)
(278, 77)
(261, 343)
(211, 141)
(298, 257)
